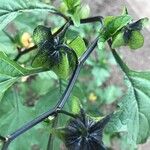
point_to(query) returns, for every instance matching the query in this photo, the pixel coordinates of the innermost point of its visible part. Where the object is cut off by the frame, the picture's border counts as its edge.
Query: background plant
(24, 98)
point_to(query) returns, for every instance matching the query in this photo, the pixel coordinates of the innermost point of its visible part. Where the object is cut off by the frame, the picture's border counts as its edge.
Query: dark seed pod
(53, 53)
(138, 25)
(84, 133)
(127, 35)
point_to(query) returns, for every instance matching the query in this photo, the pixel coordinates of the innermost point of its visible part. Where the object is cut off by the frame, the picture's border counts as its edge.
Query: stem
(76, 72)
(60, 86)
(60, 104)
(123, 66)
(61, 15)
(51, 137)
(5, 145)
(54, 124)
(24, 52)
(92, 19)
(66, 113)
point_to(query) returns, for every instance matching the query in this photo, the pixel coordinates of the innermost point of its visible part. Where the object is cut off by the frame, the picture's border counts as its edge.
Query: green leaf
(78, 45)
(10, 71)
(139, 25)
(47, 101)
(6, 44)
(11, 68)
(72, 3)
(13, 115)
(108, 19)
(134, 109)
(45, 81)
(13, 111)
(42, 34)
(63, 68)
(71, 34)
(76, 17)
(10, 9)
(85, 11)
(5, 84)
(112, 24)
(101, 43)
(118, 40)
(74, 9)
(59, 133)
(116, 23)
(41, 59)
(75, 104)
(136, 40)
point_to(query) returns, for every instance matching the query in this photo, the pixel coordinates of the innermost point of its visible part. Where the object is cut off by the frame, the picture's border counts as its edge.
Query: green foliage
(63, 68)
(118, 40)
(75, 105)
(11, 9)
(11, 118)
(78, 46)
(38, 90)
(10, 68)
(134, 106)
(75, 10)
(136, 40)
(81, 127)
(51, 54)
(5, 83)
(10, 71)
(122, 31)
(130, 35)
(71, 4)
(113, 24)
(85, 11)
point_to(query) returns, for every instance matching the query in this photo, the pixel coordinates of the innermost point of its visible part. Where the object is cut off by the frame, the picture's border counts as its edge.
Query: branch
(67, 113)
(25, 51)
(92, 19)
(61, 15)
(60, 104)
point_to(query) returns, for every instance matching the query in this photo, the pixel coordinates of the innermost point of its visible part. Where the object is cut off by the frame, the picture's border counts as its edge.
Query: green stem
(67, 113)
(54, 123)
(51, 137)
(60, 86)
